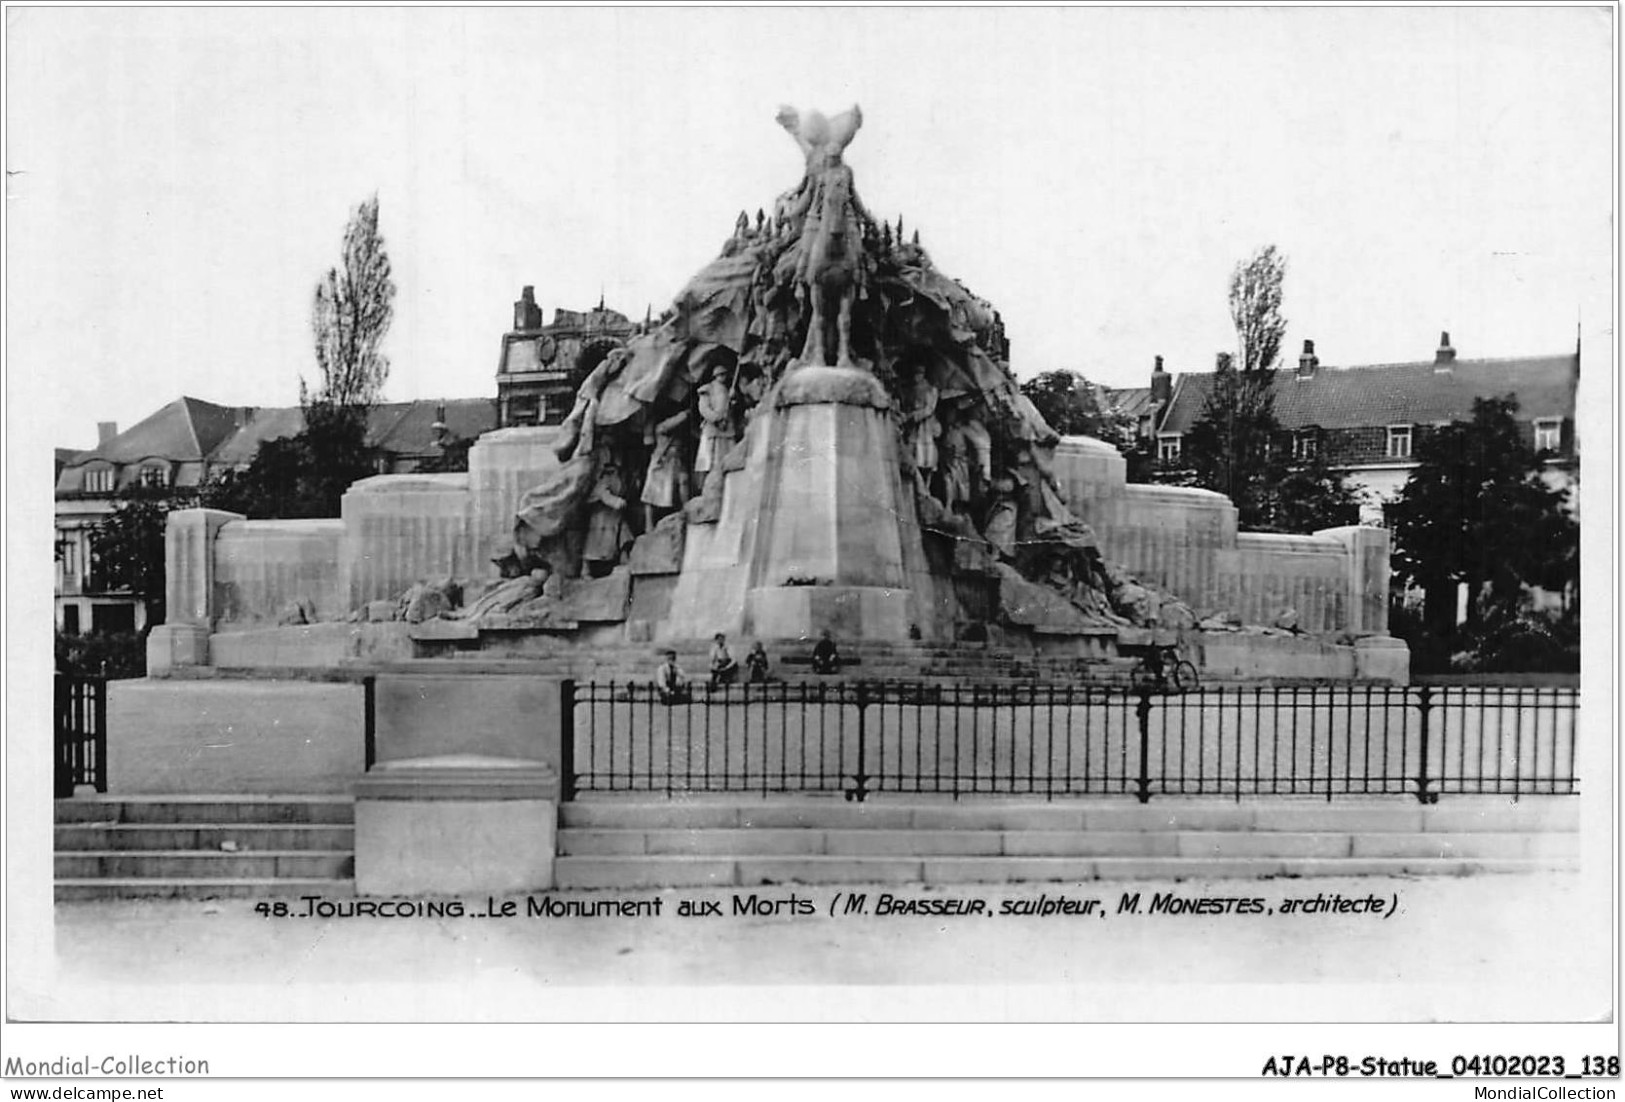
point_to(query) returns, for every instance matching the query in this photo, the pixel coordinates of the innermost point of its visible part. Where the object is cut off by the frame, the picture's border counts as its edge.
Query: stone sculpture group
(658, 423)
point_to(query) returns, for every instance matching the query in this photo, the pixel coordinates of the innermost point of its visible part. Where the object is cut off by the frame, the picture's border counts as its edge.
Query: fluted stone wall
(262, 567)
(502, 465)
(1185, 541)
(404, 529)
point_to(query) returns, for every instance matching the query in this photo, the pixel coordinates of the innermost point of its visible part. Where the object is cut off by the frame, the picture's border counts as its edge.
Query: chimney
(526, 314)
(1308, 361)
(1445, 356)
(1162, 385)
(105, 431)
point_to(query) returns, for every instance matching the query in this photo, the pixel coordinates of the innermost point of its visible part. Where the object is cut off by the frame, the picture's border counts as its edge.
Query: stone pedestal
(817, 529)
(463, 795)
(455, 825)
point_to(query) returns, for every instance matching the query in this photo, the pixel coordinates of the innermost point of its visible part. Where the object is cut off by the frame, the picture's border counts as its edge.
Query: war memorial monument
(822, 434)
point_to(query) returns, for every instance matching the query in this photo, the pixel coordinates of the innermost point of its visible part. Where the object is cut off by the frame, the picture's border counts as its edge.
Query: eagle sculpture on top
(828, 264)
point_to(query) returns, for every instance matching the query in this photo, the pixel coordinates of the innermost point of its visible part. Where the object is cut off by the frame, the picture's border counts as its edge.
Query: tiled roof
(407, 428)
(178, 431)
(1398, 394)
(1132, 402)
(190, 431)
(262, 424)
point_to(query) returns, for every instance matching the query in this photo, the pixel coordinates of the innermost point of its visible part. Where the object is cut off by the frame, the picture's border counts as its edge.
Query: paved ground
(1481, 948)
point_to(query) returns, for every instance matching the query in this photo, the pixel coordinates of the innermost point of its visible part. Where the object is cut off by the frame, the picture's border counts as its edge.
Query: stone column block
(189, 566)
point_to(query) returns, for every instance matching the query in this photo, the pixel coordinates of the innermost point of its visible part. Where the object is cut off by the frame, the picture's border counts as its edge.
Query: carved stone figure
(716, 424)
(607, 534)
(1000, 528)
(830, 265)
(665, 485)
(920, 425)
(504, 596)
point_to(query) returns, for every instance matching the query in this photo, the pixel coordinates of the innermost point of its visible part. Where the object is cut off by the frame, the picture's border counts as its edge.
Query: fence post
(1143, 711)
(61, 730)
(369, 722)
(101, 736)
(1424, 704)
(567, 741)
(861, 696)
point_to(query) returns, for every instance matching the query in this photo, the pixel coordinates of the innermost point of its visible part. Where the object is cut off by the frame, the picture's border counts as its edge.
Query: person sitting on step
(670, 682)
(723, 667)
(756, 664)
(826, 657)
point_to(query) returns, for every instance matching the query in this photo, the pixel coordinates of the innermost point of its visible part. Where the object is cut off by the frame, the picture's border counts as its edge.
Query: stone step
(925, 844)
(192, 865)
(1376, 817)
(650, 872)
(205, 810)
(246, 837)
(75, 889)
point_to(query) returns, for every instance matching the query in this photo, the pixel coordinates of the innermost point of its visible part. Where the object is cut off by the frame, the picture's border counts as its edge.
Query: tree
(1255, 309)
(350, 315)
(285, 480)
(1476, 513)
(127, 547)
(1074, 406)
(1237, 447)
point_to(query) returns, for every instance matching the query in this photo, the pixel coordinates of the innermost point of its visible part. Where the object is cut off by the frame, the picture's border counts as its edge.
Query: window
(1548, 435)
(1168, 447)
(70, 619)
(99, 480)
(1399, 441)
(68, 552)
(153, 475)
(1305, 444)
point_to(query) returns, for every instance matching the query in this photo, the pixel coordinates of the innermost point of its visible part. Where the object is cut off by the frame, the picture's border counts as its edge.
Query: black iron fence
(1054, 741)
(80, 733)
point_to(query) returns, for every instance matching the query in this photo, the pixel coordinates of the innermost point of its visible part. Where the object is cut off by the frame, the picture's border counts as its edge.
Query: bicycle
(1162, 670)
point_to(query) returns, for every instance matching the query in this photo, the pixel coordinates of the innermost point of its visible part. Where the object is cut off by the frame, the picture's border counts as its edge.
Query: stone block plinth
(173, 646)
(495, 716)
(1382, 658)
(454, 825)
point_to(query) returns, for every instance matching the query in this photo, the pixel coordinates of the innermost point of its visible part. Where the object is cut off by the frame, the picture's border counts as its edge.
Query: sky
(179, 179)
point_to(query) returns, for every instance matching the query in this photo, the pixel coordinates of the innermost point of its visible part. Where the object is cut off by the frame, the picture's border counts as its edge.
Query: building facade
(540, 366)
(179, 447)
(1367, 421)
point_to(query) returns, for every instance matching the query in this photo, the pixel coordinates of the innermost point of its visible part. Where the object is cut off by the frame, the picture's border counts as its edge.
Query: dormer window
(1305, 443)
(1548, 435)
(1168, 447)
(153, 476)
(99, 480)
(1399, 441)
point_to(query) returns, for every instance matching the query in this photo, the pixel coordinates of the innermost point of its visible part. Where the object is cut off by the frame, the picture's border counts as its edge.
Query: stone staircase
(202, 847)
(630, 843)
